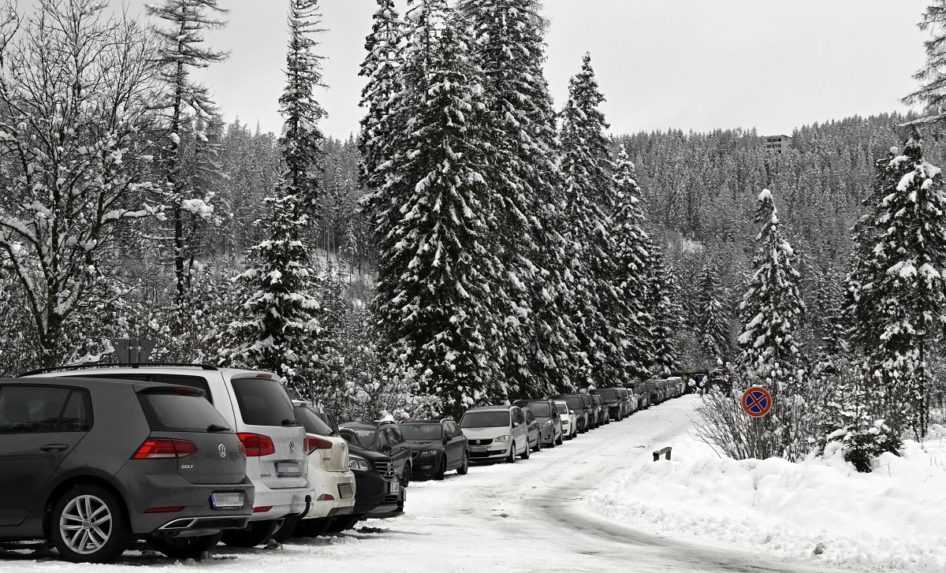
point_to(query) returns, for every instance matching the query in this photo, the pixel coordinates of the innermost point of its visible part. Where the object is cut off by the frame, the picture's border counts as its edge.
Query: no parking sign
(756, 401)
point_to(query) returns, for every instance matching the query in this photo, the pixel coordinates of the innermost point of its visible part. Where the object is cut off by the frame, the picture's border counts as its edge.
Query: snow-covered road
(526, 517)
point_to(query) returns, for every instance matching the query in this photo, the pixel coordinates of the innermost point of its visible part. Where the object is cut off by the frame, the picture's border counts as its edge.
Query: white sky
(686, 64)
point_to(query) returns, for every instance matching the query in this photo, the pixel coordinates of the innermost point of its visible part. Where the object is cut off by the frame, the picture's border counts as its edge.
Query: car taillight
(256, 445)
(164, 448)
(313, 443)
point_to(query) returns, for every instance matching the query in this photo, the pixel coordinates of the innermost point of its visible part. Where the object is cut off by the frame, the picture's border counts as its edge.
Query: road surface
(529, 516)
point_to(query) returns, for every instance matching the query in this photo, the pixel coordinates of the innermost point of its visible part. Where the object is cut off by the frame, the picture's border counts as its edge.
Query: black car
(436, 448)
(93, 464)
(612, 399)
(381, 477)
(383, 437)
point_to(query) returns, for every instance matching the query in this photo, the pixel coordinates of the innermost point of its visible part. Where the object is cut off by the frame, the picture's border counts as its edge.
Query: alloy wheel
(85, 524)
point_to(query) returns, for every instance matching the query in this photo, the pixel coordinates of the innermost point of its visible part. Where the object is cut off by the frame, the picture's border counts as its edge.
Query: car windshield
(366, 437)
(609, 394)
(540, 409)
(493, 419)
(561, 407)
(422, 431)
(313, 424)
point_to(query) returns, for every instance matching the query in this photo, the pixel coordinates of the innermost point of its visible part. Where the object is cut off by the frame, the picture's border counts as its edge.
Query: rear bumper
(278, 503)
(169, 492)
(342, 488)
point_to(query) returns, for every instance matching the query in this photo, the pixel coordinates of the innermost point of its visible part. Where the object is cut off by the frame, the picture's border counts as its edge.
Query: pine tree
(667, 313)
(302, 139)
(712, 320)
(280, 322)
(632, 250)
(772, 307)
(932, 92)
(435, 303)
(586, 164)
(186, 108)
(897, 285)
(508, 45)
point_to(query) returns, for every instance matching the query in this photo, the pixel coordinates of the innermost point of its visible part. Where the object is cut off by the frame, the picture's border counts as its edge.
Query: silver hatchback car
(496, 433)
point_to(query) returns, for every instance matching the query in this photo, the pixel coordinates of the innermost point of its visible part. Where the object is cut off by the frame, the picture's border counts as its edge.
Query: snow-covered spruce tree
(596, 307)
(632, 252)
(73, 91)
(508, 45)
(437, 266)
(898, 283)
(185, 109)
(932, 91)
(302, 139)
(713, 321)
(279, 325)
(666, 312)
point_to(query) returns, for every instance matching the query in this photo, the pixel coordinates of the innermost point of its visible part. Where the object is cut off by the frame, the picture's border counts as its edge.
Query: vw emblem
(292, 446)
(222, 451)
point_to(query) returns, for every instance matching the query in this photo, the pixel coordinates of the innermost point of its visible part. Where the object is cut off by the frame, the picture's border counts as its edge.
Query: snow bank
(820, 510)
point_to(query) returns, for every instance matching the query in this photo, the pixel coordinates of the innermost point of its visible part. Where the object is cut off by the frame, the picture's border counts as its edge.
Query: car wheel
(512, 454)
(442, 470)
(88, 525)
(181, 548)
(256, 533)
(400, 504)
(528, 450)
(560, 440)
(465, 468)
(538, 444)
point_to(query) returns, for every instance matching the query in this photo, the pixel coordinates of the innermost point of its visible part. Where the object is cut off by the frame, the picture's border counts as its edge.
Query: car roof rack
(93, 365)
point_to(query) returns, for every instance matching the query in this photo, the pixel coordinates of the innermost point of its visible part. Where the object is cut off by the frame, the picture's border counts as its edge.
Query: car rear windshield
(313, 424)
(496, 419)
(561, 407)
(609, 394)
(263, 402)
(421, 431)
(540, 409)
(169, 411)
(575, 403)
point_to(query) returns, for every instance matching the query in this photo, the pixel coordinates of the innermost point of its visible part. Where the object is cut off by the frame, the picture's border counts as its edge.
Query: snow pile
(821, 509)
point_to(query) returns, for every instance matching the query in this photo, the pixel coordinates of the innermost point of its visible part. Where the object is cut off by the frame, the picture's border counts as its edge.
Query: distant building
(777, 143)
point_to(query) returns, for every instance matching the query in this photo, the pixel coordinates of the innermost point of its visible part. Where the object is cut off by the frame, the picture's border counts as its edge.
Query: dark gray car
(92, 464)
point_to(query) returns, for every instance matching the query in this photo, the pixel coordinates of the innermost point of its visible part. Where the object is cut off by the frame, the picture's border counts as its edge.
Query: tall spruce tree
(302, 139)
(772, 307)
(508, 45)
(897, 285)
(932, 91)
(185, 108)
(596, 306)
(632, 251)
(437, 267)
(712, 320)
(666, 312)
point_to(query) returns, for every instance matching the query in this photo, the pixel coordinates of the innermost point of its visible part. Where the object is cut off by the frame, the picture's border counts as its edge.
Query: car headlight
(359, 464)
(505, 438)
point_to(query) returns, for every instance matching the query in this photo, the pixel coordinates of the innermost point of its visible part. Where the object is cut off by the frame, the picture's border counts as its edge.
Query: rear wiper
(214, 428)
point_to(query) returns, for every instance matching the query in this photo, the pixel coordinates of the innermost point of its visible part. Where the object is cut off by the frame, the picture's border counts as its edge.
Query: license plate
(288, 469)
(230, 500)
(345, 490)
(394, 487)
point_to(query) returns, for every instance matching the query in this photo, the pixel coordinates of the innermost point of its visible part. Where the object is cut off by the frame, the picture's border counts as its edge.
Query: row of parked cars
(94, 458)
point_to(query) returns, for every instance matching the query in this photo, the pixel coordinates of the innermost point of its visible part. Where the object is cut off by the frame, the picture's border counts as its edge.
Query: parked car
(533, 430)
(592, 410)
(568, 419)
(550, 423)
(642, 393)
(330, 476)
(611, 400)
(437, 447)
(601, 411)
(576, 404)
(385, 438)
(254, 405)
(91, 465)
(496, 433)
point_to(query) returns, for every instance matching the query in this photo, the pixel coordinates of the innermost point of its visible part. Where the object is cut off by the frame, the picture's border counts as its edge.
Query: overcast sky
(686, 64)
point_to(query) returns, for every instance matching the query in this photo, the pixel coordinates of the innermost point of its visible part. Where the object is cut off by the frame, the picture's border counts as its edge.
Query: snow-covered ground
(891, 519)
(537, 515)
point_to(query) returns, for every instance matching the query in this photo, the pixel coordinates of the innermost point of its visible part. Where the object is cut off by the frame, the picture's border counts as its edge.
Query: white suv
(257, 408)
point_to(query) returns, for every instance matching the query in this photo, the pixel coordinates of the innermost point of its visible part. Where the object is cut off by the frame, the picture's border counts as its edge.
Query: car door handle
(55, 447)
